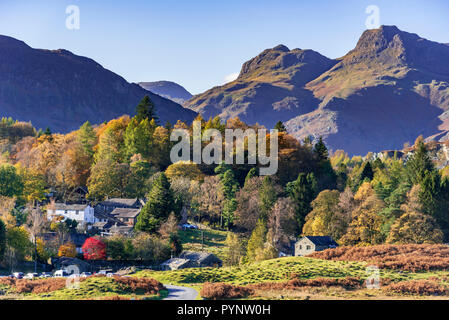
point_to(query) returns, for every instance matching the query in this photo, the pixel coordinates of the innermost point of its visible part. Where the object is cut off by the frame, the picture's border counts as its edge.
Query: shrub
(348, 282)
(224, 291)
(421, 287)
(115, 298)
(147, 285)
(409, 257)
(35, 286)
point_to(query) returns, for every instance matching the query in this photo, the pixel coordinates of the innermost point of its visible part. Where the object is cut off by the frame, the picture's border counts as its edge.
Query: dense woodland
(358, 201)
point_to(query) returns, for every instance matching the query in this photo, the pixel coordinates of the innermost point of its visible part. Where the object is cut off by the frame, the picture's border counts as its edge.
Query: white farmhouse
(83, 213)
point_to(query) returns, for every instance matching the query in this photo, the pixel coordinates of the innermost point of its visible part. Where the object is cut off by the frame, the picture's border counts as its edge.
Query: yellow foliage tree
(67, 250)
(186, 169)
(366, 225)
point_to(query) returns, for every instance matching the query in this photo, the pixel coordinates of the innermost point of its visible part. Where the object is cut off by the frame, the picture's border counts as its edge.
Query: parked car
(104, 272)
(188, 226)
(31, 276)
(61, 273)
(46, 275)
(85, 274)
(18, 275)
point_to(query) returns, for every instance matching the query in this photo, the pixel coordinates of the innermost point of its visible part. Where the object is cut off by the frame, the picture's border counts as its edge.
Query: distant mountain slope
(391, 88)
(270, 87)
(61, 90)
(168, 89)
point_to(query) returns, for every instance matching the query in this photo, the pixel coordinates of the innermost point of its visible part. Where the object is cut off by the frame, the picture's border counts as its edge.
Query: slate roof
(71, 207)
(322, 240)
(125, 212)
(198, 257)
(176, 263)
(120, 202)
(115, 229)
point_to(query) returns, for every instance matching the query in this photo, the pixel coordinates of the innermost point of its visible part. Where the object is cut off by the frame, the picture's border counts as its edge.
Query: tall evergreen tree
(87, 138)
(303, 191)
(251, 173)
(160, 203)
(229, 186)
(280, 127)
(419, 165)
(47, 131)
(138, 138)
(146, 110)
(320, 150)
(267, 198)
(2, 239)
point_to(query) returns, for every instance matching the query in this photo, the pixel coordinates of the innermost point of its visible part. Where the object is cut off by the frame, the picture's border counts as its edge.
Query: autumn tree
(248, 210)
(256, 243)
(326, 217)
(282, 224)
(150, 248)
(187, 169)
(366, 224)
(415, 227)
(119, 248)
(94, 249)
(109, 179)
(211, 199)
(18, 245)
(169, 227)
(11, 183)
(6, 207)
(34, 185)
(234, 249)
(67, 250)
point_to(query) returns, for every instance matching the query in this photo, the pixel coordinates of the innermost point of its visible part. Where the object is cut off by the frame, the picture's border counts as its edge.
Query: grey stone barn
(189, 259)
(310, 244)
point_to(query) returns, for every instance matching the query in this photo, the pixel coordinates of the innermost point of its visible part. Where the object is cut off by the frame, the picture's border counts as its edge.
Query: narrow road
(180, 293)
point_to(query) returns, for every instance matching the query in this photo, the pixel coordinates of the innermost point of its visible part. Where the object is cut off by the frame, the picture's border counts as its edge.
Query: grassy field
(407, 272)
(91, 289)
(214, 241)
(285, 269)
(280, 269)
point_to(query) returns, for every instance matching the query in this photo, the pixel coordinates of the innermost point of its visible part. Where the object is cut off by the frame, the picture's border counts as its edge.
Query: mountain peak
(281, 47)
(280, 58)
(168, 89)
(390, 46)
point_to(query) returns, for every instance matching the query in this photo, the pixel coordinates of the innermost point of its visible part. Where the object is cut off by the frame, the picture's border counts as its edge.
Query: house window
(300, 247)
(308, 247)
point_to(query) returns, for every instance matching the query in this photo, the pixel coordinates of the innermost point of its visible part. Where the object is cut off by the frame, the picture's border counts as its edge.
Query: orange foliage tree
(67, 250)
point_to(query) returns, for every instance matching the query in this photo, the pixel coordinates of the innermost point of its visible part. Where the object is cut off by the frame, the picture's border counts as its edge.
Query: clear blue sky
(198, 43)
